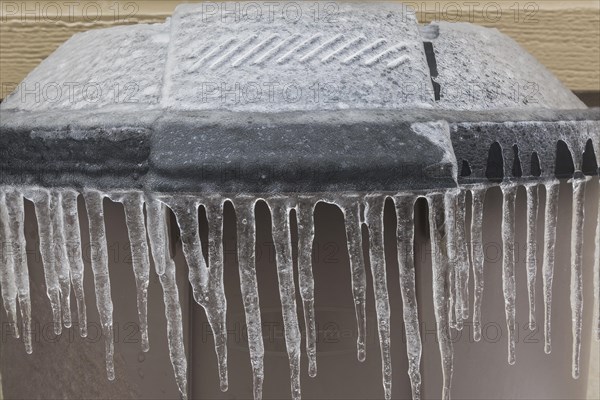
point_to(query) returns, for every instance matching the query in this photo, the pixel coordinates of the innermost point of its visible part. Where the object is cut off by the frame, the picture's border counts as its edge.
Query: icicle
(374, 219)
(186, 212)
(206, 282)
(576, 267)
(509, 192)
(441, 288)
(7, 269)
(249, 286)
(165, 268)
(351, 209)
(99, 258)
(215, 302)
(405, 235)
(306, 232)
(454, 311)
(551, 213)
(16, 222)
(61, 261)
(73, 243)
(477, 257)
(597, 277)
(462, 253)
(140, 260)
(41, 201)
(531, 263)
(280, 211)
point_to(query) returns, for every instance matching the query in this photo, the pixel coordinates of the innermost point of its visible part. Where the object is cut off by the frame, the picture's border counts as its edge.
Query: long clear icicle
(280, 211)
(374, 220)
(215, 303)
(462, 255)
(74, 254)
(351, 209)
(61, 261)
(99, 261)
(531, 260)
(477, 257)
(246, 229)
(140, 260)
(43, 212)
(306, 233)
(16, 240)
(406, 262)
(552, 193)
(165, 268)
(441, 287)
(7, 269)
(450, 207)
(509, 193)
(577, 223)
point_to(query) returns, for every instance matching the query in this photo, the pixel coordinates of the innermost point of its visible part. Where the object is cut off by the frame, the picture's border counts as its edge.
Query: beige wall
(563, 35)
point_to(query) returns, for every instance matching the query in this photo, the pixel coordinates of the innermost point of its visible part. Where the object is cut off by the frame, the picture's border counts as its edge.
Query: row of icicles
(60, 247)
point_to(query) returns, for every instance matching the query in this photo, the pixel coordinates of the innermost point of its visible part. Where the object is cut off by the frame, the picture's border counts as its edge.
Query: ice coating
(351, 55)
(97, 69)
(479, 68)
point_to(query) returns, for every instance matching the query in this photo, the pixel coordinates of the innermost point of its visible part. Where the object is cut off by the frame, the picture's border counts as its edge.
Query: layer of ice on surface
(334, 56)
